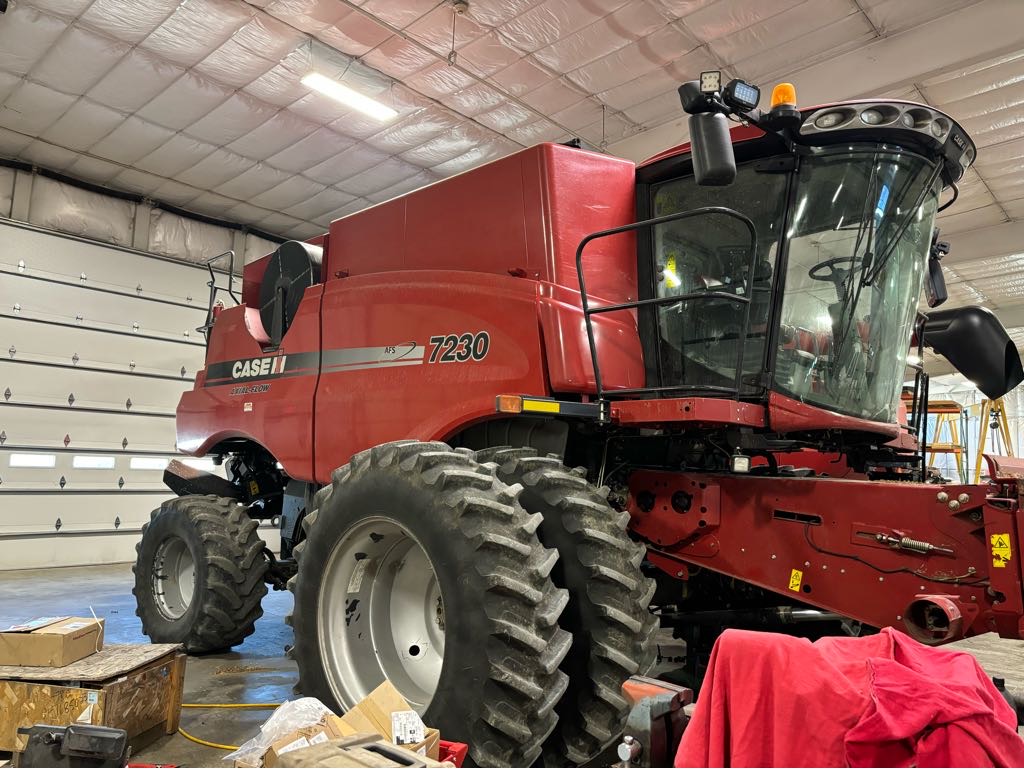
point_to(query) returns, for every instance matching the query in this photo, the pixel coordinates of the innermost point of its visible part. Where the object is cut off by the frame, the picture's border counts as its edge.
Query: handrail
(589, 311)
(214, 288)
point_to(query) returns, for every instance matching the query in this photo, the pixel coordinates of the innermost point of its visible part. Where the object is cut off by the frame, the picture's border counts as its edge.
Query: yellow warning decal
(796, 577)
(1001, 552)
(547, 407)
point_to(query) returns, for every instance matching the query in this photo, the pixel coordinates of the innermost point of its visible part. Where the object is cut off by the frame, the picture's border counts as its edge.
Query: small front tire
(199, 574)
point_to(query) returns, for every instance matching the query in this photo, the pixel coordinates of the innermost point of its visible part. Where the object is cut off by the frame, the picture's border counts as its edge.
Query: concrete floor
(256, 671)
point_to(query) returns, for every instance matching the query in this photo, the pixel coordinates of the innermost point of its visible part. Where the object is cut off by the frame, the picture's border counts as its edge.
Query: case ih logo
(258, 367)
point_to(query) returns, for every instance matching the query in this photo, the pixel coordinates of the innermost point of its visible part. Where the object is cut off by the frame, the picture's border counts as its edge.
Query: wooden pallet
(135, 687)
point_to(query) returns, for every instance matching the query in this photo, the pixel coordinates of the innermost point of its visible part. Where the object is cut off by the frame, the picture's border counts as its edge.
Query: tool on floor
(79, 745)
(655, 723)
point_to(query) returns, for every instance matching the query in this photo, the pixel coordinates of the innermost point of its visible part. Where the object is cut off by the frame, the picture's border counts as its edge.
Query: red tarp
(881, 700)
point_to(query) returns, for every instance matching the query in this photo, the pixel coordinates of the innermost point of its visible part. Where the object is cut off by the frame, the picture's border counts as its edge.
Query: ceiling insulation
(198, 103)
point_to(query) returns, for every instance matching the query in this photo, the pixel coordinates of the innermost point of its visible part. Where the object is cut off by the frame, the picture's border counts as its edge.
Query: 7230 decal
(459, 348)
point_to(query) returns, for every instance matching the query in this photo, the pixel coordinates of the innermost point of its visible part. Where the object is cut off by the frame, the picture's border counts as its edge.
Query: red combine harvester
(508, 430)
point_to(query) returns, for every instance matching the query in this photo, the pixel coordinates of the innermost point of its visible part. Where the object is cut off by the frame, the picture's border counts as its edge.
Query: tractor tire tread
(235, 568)
(521, 638)
(613, 630)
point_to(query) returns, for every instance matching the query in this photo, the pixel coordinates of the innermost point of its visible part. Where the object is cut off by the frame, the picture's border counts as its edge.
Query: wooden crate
(135, 687)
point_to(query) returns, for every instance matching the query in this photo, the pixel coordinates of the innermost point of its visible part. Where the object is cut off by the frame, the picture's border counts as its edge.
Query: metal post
(22, 195)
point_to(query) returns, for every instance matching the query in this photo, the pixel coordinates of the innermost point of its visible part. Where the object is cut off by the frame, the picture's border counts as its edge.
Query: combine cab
(508, 430)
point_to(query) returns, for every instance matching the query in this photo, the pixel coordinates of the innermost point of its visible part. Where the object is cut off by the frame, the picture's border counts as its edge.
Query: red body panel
(402, 272)
(364, 404)
(279, 419)
(732, 527)
(524, 214)
(697, 411)
(567, 351)
(786, 415)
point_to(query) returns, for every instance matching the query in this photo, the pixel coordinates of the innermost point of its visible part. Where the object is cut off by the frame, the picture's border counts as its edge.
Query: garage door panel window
(93, 462)
(37, 461)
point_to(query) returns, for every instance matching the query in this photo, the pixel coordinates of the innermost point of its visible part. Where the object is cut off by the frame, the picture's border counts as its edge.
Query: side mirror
(975, 342)
(714, 164)
(935, 284)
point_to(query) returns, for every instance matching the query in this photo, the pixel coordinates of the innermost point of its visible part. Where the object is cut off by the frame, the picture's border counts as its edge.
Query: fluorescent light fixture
(342, 93)
(87, 462)
(32, 460)
(148, 463)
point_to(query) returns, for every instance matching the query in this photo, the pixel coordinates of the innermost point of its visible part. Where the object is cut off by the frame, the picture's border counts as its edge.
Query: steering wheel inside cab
(835, 271)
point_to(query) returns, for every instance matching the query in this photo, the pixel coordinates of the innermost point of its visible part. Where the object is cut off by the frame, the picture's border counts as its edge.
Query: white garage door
(96, 343)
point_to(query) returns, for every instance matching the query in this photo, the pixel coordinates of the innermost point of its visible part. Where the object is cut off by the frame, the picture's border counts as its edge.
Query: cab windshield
(858, 241)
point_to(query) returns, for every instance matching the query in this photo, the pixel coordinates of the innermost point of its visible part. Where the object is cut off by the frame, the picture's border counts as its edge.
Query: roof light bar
(350, 98)
(922, 119)
(930, 125)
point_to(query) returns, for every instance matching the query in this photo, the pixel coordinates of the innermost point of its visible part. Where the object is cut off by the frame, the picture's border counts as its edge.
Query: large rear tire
(199, 574)
(608, 614)
(412, 547)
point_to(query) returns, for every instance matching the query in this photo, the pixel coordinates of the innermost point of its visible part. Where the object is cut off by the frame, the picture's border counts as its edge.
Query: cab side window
(700, 338)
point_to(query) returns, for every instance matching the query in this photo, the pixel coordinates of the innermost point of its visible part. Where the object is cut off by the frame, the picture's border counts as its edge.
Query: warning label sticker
(1001, 552)
(796, 578)
(355, 582)
(407, 728)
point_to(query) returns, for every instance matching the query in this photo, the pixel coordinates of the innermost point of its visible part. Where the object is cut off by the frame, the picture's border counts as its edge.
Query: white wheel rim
(174, 578)
(380, 615)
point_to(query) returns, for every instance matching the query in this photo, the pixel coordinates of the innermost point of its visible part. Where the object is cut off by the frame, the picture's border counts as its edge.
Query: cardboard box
(385, 711)
(50, 641)
(330, 728)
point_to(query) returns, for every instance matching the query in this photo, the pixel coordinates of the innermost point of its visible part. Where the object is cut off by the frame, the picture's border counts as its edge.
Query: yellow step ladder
(992, 418)
(947, 415)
